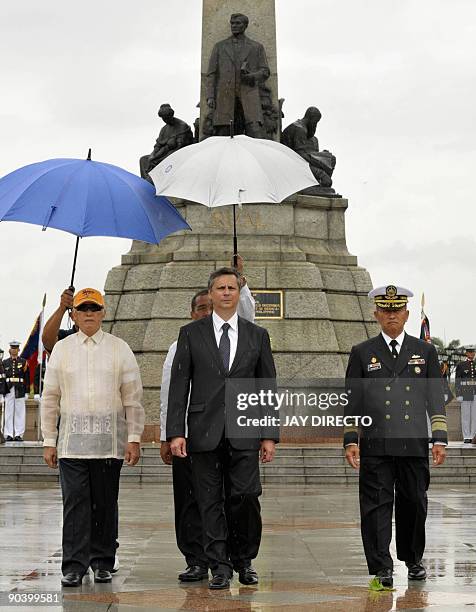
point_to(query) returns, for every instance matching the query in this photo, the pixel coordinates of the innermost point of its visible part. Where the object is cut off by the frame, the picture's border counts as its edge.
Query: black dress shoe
(101, 575)
(193, 573)
(386, 577)
(416, 571)
(18, 439)
(466, 440)
(248, 575)
(72, 579)
(8, 439)
(219, 581)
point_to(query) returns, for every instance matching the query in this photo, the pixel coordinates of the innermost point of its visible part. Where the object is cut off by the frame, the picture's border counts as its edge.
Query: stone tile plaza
(241, 413)
(311, 556)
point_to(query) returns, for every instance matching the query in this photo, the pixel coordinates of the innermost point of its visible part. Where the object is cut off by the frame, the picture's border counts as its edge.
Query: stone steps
(292, 466)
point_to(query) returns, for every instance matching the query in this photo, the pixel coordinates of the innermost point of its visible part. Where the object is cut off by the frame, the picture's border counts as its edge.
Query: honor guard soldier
(16, 376)
(3, 390)
(395, 380)
(465, 379)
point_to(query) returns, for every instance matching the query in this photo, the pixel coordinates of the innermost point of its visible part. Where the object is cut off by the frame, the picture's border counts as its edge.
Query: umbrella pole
(235, 239)
(71, 285)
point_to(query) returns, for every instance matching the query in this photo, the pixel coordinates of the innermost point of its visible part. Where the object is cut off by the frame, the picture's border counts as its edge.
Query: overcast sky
(395, 82)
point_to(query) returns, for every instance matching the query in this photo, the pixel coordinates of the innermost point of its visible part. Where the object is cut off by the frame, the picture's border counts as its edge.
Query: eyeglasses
(89, 308)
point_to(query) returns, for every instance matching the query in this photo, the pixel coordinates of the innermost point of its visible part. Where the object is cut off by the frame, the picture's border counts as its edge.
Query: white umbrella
(240, 170)
(221, 171)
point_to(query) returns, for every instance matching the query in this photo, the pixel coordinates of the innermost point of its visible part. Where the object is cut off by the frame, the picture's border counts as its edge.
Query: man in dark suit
(211, 351)
(395, 380)
(237, 68)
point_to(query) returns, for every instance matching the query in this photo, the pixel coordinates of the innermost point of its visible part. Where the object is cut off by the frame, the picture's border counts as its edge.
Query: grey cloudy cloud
(394, 80)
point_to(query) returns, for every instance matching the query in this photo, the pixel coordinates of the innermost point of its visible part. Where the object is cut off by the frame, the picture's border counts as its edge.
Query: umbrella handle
(71, 285)
(235, 239)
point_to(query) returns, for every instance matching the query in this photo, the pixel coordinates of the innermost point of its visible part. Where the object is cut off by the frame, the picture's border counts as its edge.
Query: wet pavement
(311, 555)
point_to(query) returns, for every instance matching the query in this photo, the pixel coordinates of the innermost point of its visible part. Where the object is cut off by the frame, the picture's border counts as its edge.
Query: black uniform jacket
(3, 384)
(397, 394)
(465, 380)
(198, 368)
(16, 375)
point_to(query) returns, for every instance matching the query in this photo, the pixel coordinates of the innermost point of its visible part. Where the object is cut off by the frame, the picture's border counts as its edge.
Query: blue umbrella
(87, 198)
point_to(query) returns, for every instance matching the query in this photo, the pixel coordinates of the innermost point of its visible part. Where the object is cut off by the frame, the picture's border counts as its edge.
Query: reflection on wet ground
(311, 556)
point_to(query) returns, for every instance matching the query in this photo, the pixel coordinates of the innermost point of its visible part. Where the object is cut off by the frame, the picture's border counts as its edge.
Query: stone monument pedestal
(298, 247)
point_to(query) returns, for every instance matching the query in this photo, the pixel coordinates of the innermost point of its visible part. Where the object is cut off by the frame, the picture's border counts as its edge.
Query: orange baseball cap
(88, 295)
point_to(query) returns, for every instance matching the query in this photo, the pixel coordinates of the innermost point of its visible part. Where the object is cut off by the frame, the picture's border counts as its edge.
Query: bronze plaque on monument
(269, 304)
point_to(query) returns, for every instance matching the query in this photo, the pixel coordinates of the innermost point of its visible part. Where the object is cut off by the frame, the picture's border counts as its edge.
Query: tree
(453, 352)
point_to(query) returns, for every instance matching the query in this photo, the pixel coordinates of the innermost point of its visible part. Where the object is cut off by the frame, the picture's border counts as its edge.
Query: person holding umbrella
(51, 331)
(93, 383)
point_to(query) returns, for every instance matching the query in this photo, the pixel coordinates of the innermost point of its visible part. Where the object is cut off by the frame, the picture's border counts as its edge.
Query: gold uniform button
(407, 388)
(406, 417)
(387, 388)
(387, 403)
(387, 416)
(407, 403)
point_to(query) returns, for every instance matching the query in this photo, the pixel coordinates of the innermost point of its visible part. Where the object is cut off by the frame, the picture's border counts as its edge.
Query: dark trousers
(188, 524)
(227, 484)
(382, 481)
(90, 489)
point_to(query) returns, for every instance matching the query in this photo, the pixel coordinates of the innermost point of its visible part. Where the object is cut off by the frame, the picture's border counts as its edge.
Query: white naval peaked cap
(14, 343)
(390, 296)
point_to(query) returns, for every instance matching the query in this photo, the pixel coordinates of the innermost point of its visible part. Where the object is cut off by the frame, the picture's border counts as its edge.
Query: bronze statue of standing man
(237, 68)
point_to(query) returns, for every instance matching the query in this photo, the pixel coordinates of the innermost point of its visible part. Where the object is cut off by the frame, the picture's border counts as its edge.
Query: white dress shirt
(246, 305)
(399, 340)
(94, 385)
(164, 391)
(246, 310)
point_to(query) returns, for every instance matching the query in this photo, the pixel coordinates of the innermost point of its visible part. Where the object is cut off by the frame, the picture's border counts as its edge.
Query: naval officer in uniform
(465, 380)
(395, 379)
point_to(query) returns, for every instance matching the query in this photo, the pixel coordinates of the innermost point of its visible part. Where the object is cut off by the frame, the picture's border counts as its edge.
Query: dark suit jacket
(222, 76)
(397, 394)
(198, 369)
